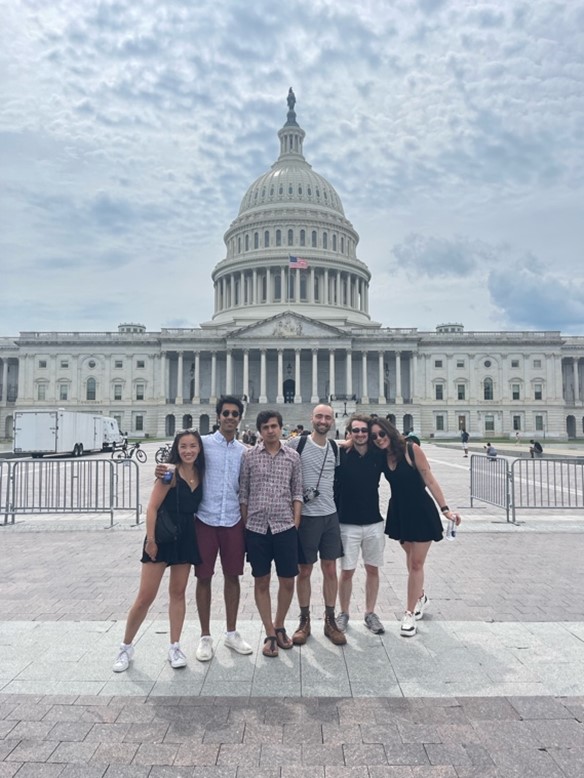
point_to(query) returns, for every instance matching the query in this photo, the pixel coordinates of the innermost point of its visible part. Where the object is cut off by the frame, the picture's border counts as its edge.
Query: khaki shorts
(367, 538)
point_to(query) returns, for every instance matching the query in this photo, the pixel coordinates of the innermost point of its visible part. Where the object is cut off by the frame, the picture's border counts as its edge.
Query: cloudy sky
(452, 130)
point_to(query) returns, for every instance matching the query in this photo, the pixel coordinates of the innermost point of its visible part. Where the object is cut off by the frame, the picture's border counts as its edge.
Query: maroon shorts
(227, 541)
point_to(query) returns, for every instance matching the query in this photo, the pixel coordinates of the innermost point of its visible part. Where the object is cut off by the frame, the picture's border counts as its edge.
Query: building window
(41, 392)
(489, 423)
(460, 391)
(487, 363)
(516, 423)
(277, 287)
(537, 363)
(325, 240)
(439, 423)
(266, 239)
(342, 245)
(139, 391)
(247, 242)
(64, 363)
(303, 237)
(90, 389)
(63, 392)
(139, 423)
(488, 389)
(239, 245)
(538, 392)
(514, 363)
(439, 392)
(140, 363)
(437, 363)
(118, 364)
(515, 392)
(278, 237)
(313, 239)
(91, 363)
(117, 391)
(316, 289)
(460, 363)
(539, 423)
(303, 287)
(290, 237)
(42, 363)
(334, 242)
(256, 240)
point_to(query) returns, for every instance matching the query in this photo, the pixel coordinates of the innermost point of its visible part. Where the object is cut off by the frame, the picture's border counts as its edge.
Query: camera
(310, 494)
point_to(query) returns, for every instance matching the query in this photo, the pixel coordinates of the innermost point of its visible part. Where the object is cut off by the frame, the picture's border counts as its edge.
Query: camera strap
(322, 466)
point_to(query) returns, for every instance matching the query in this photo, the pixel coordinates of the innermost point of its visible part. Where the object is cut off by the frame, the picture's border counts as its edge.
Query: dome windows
(318, 193)
(303, 237)
(290, 237)
(290, 189)
(334, 242)
(278, 237)
(325, 240)
(313, 239)
(309, 190)
(300, 189)
(247, 242)
(281, 189)
(266, 239)
(256, 240)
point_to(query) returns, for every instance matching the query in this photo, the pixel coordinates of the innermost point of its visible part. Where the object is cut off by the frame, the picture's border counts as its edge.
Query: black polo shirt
(357, 486)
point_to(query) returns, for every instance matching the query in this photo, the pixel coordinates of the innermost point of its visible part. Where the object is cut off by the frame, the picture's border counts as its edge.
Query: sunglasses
(381, 434)
(360, 430)
(226, 414)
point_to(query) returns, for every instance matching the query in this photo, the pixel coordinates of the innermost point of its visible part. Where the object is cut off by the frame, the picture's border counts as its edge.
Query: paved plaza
(492, 685)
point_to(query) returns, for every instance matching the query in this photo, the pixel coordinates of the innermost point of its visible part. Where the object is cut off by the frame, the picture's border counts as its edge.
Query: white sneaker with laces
(408, 626)
(123, 659)
(343, 621)
(176, 657)
(204, 651)
(421, 606)
(237, 643)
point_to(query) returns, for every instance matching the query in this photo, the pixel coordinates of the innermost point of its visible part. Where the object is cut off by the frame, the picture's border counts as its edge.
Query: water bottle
(451, 530)
(167, 477)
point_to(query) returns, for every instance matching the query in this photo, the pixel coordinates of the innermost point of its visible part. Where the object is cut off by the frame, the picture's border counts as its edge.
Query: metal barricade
(70, 486)
(553, 484)
(4, 488)
(489, 481)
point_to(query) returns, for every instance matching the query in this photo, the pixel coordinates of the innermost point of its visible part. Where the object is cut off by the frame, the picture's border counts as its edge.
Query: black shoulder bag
(166, 529)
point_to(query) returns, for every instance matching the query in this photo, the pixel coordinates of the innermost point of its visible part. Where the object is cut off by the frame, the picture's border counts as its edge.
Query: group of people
(289, 503)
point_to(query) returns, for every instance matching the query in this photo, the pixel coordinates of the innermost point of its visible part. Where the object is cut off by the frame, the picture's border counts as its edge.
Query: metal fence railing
(48, 486)
(534, 484)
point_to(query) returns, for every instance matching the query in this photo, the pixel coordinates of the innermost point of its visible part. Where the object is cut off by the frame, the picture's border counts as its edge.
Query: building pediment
(291, 326)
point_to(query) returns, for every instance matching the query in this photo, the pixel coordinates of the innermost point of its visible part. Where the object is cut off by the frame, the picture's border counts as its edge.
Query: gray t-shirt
(312, 459)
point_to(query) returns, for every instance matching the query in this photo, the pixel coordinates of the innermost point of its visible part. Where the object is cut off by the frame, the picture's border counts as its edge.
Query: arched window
(303, 286)
(325, 240)
(313, 239)
(256, 240)
(239, 245)
(90, 389)
(334, 242)
(488, 389)
(342, 245)
(277, 287)
(290, 189)
(278, 237)
(247, 242)
(316, 289)
(290, 237)
(266, 239)
(302, 238)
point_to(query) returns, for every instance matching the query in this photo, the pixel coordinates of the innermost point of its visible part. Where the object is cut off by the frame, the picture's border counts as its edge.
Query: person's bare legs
(150, 579)
(231, 592)
(416, 557)
(177, 607)
(303, 588)
(345, 589)
(285, 594)
(264, 602)
(203, 597)
(330, 583)
(371, 587)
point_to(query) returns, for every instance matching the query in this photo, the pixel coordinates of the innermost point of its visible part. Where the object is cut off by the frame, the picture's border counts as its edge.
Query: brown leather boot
(332, 632)
(302, 634)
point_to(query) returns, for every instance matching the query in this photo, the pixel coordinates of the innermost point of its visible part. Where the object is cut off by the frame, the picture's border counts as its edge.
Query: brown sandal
(283, 640)
(270, 646)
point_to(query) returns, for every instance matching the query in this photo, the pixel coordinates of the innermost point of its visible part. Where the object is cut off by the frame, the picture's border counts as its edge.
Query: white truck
(63, 432)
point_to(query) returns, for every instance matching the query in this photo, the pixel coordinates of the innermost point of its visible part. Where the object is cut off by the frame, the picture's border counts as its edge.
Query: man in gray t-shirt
(319, 533)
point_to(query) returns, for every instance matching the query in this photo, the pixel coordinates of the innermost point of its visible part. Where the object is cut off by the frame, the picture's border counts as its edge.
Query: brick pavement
(492, 686)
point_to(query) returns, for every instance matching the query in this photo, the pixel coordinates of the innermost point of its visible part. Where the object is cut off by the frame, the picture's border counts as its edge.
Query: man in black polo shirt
(357, 497)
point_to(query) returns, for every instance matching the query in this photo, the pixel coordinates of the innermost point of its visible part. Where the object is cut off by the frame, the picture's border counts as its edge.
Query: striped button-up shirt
(220, 504)
(269, 485)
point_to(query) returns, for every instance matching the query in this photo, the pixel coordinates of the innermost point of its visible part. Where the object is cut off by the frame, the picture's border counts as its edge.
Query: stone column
(332, 388)
(314, 398)
(254, 291)
(213, 397)
(179, 379)
(269, 286)
(74, 376)
(197, 377)
(349, 372)
(4, 379)
(413, 376)
(163, 376)
(263, 398)
(364, 389)
(310, 295)
(398, 382)
(576, 382)
(381, 397)
(325, 294)
(228, 372)
(297, 392)
(339, 297)
(279, 395)
(246, 373)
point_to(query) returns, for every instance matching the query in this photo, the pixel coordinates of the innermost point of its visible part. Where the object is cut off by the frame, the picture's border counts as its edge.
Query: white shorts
(369, 539)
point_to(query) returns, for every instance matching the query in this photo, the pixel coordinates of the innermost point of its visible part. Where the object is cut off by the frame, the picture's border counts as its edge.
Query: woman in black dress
(181, 498)
(412, 515)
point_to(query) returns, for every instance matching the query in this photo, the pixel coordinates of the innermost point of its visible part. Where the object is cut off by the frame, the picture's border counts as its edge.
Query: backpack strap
(301, 444)
(410, 447)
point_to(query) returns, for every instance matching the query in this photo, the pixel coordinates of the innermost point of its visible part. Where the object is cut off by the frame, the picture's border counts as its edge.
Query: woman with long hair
(180, 498)
(412, 516)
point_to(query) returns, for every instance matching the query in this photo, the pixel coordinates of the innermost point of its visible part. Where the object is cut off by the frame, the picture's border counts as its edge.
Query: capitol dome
(291, 246)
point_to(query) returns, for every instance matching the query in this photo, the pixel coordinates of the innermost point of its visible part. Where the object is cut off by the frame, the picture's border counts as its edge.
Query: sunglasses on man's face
(381, 434)
(359, 430)
(226, 414)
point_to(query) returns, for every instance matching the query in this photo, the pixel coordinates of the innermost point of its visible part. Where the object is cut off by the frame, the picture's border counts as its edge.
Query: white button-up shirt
(220, 504)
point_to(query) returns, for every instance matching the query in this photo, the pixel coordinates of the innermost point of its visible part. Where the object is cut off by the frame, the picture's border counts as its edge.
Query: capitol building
(291, 327)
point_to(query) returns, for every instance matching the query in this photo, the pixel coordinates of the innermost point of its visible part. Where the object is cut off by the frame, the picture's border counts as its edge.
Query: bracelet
(445, 509)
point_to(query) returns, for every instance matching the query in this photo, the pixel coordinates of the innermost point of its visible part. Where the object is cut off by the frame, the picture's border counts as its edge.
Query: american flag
(297, 263)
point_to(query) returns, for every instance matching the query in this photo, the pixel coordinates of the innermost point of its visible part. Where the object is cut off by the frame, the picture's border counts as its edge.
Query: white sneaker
(176, 657)
(343, 621)
(237, 643)
(123, 659)
(205, 649)
(408, 626)
(421, 606)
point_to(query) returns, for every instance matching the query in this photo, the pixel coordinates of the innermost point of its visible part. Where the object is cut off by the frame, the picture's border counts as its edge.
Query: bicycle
(162, 454)
(127, 452)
